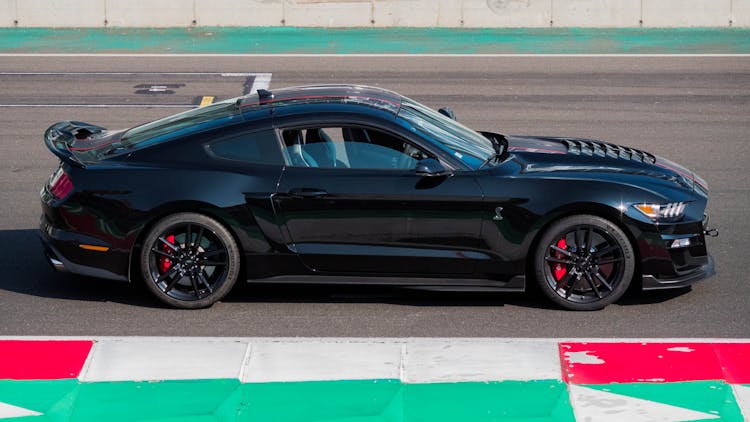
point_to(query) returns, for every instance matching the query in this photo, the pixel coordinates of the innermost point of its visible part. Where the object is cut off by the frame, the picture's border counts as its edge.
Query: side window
(250, 147)
(349, 147)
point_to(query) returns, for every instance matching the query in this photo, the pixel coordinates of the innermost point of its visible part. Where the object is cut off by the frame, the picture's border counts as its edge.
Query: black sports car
(353, 184)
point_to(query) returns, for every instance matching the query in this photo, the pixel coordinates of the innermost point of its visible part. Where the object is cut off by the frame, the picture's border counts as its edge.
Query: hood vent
(603, 149)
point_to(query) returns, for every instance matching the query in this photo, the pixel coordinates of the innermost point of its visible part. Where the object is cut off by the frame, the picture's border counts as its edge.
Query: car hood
(546, 154)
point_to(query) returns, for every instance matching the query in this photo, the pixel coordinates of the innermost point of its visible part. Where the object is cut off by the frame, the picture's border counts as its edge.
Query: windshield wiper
(497, 155)
(494, 157)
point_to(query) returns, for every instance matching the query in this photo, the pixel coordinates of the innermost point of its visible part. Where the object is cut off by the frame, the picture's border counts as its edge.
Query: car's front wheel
(584, 262)
(189, 260)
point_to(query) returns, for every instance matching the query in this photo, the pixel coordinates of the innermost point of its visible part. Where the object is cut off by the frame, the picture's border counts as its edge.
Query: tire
(189, 261)
(584, 263)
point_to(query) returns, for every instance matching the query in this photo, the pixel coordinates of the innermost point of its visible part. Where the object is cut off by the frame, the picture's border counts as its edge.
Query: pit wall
(376, 13)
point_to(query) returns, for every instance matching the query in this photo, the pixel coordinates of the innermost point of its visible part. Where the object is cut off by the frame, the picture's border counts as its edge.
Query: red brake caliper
(558, 269)
(164, 262)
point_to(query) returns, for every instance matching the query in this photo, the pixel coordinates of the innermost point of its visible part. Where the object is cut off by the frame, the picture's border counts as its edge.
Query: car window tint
(152, 132)
(255, 147)
(465, 144)
(349, 147)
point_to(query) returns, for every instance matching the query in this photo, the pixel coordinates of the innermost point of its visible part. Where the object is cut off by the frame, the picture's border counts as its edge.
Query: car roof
(316, 94)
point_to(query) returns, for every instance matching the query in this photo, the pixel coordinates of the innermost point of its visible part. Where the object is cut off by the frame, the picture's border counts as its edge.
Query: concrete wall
(375, 13)
(741, 13)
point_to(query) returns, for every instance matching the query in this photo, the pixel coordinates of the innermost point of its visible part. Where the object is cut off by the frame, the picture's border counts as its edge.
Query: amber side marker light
(93, 248)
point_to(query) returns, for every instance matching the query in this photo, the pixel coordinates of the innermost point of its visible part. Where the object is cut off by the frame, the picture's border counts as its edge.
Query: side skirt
(514, 284)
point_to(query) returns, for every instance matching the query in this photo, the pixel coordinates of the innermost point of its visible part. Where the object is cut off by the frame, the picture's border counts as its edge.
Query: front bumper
(703, 272)
(667, 263)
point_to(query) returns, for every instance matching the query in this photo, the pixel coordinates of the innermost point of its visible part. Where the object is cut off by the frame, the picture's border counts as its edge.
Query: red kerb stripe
(735, 360)
(604, 363)
(42, 360)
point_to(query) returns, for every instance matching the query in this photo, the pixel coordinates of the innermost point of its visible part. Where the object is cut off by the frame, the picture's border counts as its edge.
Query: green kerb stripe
(276, 40)
(228, 400)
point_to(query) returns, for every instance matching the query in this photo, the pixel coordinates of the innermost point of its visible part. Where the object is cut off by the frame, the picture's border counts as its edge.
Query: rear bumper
(703, 272)
(57, 243)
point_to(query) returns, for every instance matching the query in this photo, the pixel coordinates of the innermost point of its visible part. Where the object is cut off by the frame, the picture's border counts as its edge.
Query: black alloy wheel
(584, 262)
(189, 260)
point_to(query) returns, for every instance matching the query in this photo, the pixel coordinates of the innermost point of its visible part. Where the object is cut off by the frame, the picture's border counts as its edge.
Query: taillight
(60, 185)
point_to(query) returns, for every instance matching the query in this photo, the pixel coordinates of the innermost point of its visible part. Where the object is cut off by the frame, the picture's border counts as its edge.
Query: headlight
(662, 212)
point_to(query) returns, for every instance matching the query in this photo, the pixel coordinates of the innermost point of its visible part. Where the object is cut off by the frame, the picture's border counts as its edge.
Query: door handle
(307, 193)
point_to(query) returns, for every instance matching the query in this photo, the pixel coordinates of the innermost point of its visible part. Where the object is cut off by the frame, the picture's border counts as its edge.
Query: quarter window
(253, 147)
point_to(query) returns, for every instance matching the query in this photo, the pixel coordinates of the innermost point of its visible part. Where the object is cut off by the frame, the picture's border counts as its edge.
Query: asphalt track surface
(693, 110)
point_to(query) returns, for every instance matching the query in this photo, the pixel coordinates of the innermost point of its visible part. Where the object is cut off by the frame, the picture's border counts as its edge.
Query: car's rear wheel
(584, 262)
(189, 260)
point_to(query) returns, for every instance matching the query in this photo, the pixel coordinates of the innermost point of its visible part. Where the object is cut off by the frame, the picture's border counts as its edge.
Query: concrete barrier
(376, 13)
(597, 13)
(507, 13)
(658, 13)
(328, 14)
(149, 13)
(238, 13)
(417, 13)
(740, 13)
(7, 13)
(59, 13)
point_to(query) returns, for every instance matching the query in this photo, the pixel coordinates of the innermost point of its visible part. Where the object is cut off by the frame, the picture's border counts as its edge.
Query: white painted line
(447, 361)
(246, 360)
(9, 411)
(742, 395)
(322, 361)
(87, 362)
(376, 55)
(595, 405)
(226, 75)
(133, 360)
(243, 75)
(262, 81)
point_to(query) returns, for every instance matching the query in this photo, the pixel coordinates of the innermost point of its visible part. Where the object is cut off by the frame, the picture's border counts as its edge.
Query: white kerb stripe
(322, 361)
(411, 361)
(742, 395)
(9, 411)
(149, 360)
(430, 361)
(590, 405)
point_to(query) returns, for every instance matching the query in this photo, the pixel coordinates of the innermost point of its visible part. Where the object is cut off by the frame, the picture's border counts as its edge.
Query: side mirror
(430, 167)
(448, 112)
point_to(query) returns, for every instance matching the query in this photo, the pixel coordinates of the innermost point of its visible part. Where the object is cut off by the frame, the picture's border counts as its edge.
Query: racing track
(693, 110)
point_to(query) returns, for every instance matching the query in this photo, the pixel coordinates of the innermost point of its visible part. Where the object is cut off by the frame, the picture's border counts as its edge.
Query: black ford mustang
(353, 184)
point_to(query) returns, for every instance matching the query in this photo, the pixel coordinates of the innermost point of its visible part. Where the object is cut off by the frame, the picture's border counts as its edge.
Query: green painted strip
(54, 398)
(228, 400)
(277, 40)
(714, 397)
(500, 401)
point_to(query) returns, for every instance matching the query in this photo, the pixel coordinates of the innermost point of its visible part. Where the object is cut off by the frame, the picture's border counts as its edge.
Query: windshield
(465, 144)
(171, 126)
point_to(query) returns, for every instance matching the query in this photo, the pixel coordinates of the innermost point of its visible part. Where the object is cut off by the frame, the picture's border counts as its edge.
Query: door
(351, 202)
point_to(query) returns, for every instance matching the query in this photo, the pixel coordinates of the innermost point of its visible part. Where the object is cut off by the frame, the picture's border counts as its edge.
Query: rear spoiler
(62, 135)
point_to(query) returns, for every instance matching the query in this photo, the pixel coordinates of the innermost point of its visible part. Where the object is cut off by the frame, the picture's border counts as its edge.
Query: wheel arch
(611, 214)
(196, 207)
